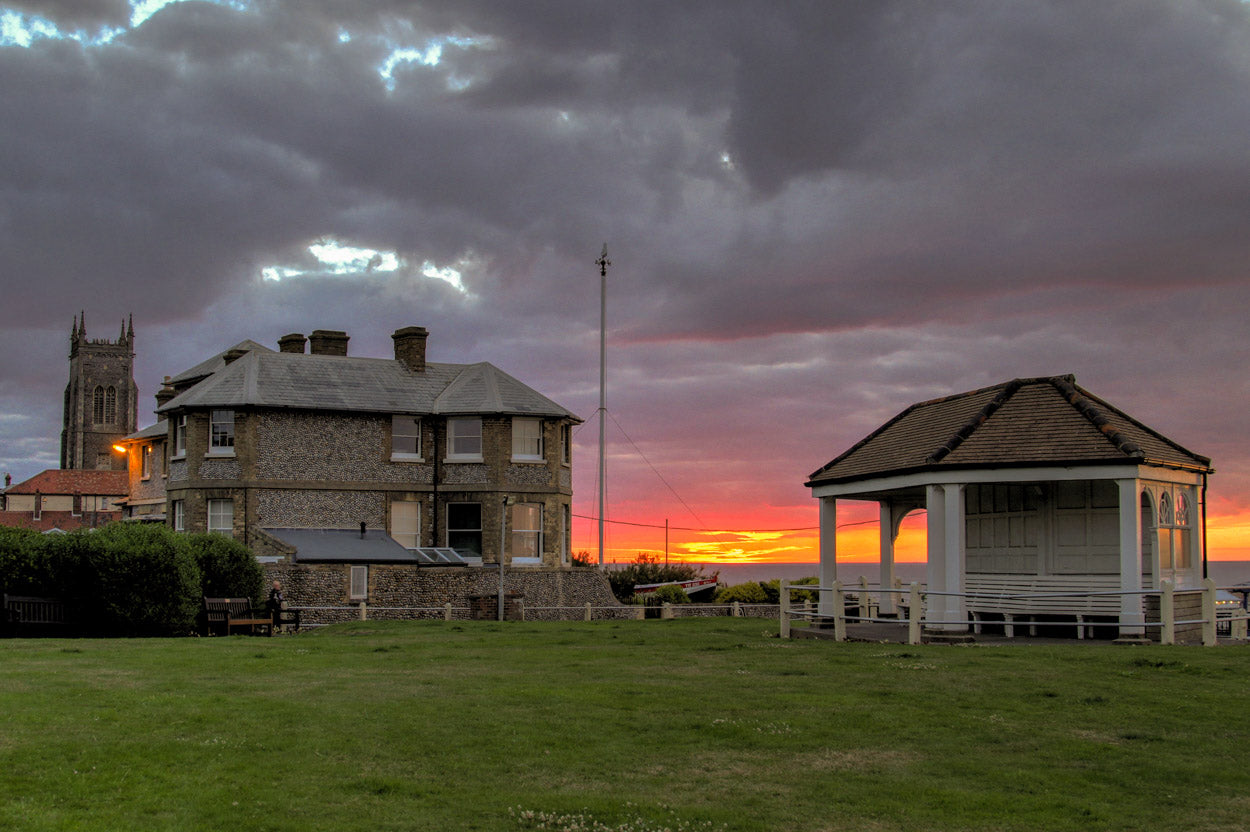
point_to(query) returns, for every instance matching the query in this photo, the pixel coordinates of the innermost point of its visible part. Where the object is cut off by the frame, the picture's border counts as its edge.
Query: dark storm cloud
(812, 207)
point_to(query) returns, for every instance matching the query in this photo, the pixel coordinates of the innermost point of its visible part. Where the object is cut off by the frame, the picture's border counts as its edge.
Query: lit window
(221, 432)
(146, 462)
(526, 520)
(527, 438)
(464, 528)
(221, 517)
(405, 437)
(464, 439)
(406, 523)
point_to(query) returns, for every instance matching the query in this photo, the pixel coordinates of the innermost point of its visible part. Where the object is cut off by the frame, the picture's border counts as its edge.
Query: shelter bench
(1025, 598)
(228, 615)
(24, 612)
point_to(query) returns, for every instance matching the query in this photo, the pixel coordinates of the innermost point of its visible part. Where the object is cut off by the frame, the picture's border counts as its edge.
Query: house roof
(378, 385)
(211, 365)
(158, 430)
(1032, 421)
(58, 481)
(343, 546)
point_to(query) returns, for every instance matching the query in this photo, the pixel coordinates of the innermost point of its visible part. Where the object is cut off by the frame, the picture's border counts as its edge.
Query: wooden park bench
(30, 615)
(1028, 599)
(224, 616)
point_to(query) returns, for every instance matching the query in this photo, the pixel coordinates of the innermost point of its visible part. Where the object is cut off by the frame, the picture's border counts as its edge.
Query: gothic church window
(97, 405)
(110, 405)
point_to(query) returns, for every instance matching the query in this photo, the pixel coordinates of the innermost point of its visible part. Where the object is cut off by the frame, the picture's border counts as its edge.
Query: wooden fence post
(1167, 613)
(784, 612)
(1208, 612)
(914, 615)
(363, 614)
(839, 612)
(865, 603)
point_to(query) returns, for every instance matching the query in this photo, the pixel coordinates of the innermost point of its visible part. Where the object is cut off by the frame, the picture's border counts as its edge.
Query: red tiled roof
(57, 481)
(1037, 421)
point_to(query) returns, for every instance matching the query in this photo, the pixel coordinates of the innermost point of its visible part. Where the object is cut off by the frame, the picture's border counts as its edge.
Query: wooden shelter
(1038, 495)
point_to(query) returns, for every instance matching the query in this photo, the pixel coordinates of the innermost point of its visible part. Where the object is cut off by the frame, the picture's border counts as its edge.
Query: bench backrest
(221, 608)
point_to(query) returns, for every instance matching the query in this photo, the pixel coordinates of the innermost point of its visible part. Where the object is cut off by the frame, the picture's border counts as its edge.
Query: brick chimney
(292, 343)
(410, 347)
(163, 396)
(327, 342)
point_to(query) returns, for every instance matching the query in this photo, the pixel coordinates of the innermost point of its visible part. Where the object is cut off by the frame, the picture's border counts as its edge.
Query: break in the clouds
(817, 212)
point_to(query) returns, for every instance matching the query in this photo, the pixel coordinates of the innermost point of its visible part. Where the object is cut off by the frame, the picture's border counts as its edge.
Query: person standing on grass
(276, 603)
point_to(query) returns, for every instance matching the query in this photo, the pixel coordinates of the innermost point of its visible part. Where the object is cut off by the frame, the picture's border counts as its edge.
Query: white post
(914, 615)
(784, 611)
(736, 609)
(839, 613)
(1131, 618)
(865, 606)
(1208, 612)
(363, 615)
(666, 611)
(935, 568)
(1167, 613)
(889, 604)
(447, 611)
(956, 605)
(587, 611)
(828, 551)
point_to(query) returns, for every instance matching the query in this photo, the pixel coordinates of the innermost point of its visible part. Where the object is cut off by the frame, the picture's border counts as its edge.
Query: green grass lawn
(647, 725)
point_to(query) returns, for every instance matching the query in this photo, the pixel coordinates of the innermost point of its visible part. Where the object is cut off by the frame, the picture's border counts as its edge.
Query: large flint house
(1032, 489)
(309, 455)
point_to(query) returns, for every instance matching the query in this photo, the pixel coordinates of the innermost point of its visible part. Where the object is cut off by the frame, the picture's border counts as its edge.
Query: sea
(1225, 573)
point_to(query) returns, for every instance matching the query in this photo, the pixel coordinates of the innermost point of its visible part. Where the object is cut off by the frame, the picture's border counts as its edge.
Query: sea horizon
(1223, 572)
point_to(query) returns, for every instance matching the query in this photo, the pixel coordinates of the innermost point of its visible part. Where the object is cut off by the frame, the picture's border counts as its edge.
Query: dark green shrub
(772, 589)
(131, 579)
(748, 593)
(24, 565)
(227, 567)
(670, 594)
(647, 569)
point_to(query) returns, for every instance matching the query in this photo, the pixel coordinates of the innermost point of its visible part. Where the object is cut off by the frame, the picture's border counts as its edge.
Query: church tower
(101, 399)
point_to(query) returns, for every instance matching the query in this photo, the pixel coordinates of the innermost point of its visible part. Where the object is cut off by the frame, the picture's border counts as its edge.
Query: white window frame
(180, 436)
(465, 530)
(408, 538)
(145, 462)
(400, 423)
(522, 538)
(527, 439)
(222, 445)
(566, 550)
(358, 583)
(460, 433)
(216, 515)
(566, 444)
(180, 515)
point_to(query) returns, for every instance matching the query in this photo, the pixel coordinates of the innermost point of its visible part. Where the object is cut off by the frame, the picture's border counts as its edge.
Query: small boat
(699, 585)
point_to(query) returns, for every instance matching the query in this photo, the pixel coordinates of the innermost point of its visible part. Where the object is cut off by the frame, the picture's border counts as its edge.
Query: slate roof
(74, 481)
(156, 431)
(211, 365)
(376, 385)
(1035, 421)
(343, 546)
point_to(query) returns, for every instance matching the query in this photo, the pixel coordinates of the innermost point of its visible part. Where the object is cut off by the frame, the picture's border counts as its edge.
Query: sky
(817, 214)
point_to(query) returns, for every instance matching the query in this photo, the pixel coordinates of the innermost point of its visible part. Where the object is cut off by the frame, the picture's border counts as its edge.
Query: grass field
(690, 724)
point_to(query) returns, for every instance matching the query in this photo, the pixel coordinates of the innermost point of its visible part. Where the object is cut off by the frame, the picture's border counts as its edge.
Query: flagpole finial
(603, 262)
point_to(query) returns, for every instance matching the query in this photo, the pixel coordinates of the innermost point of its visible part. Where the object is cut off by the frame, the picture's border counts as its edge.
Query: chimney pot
(410, 347)
(294, 342)
(328, 342)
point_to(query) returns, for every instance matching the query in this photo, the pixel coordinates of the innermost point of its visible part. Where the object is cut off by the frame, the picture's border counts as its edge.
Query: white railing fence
(862, 604)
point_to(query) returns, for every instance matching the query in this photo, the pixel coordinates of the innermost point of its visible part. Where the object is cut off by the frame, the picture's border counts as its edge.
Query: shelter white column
(935, 566)
(828, 551)
(889, 602)
(953, 526)
(1131, 618)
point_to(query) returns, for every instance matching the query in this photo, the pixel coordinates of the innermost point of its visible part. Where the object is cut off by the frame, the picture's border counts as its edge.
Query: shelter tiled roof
(73, 481)
(378, 385)
(1036, 421)
(343, 546)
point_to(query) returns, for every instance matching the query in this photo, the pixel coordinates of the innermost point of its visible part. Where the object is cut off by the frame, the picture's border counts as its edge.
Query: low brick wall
(412, 592)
